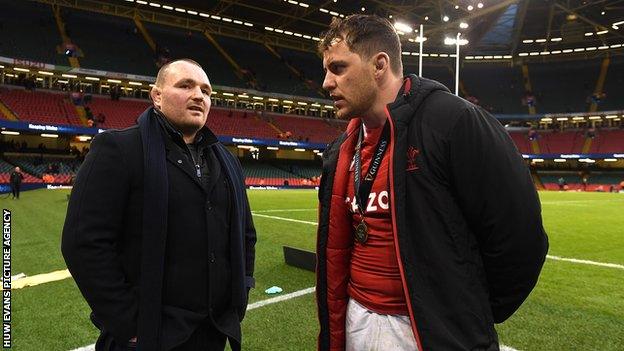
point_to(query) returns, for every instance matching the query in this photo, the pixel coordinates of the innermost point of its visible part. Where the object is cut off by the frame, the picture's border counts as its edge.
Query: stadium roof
(492, 27)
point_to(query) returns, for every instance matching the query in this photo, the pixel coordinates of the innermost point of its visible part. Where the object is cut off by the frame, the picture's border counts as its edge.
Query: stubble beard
(360, 106)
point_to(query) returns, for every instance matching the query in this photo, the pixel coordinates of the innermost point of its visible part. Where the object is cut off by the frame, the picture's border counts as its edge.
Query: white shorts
(369, 331)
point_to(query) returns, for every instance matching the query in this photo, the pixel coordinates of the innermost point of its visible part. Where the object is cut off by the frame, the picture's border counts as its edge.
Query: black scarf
(154, 235)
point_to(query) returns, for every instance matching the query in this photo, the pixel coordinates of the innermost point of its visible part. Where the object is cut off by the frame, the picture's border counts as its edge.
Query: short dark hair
(162, 72)
(365, 35)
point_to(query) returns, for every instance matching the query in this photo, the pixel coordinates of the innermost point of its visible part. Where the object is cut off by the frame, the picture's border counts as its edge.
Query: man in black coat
(16, 178)
(158, 234)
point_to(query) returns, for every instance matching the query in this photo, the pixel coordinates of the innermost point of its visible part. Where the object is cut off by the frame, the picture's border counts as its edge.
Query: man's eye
(205, 92)
(338, 68)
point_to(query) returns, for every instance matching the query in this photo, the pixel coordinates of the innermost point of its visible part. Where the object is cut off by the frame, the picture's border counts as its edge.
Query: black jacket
(16, 178)
(466, 220)
(104, 230)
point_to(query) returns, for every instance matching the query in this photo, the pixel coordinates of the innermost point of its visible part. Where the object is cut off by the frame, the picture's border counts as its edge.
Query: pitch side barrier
(6, 188)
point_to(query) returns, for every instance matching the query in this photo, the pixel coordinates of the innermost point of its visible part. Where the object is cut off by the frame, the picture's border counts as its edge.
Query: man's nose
(197, 94)
(329, 83)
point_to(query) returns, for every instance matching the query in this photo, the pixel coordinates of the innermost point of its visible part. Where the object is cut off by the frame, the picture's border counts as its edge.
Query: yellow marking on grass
(39, 279)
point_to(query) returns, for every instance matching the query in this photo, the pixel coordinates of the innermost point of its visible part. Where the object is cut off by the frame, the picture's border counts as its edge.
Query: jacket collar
(410, 85)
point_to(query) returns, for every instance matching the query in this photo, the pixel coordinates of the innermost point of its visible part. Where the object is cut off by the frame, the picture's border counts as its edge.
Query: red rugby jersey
(375, 278)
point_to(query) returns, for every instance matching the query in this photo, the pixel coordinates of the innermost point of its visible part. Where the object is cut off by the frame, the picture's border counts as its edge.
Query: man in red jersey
(429, 224)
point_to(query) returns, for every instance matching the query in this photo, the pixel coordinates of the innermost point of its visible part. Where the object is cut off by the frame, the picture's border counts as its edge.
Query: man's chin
(191, 128)
(345, 114)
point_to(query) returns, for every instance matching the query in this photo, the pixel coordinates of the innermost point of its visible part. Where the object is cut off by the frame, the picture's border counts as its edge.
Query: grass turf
(574, 306)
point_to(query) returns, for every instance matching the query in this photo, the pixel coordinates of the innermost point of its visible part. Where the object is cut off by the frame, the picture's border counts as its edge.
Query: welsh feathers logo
(412, 154)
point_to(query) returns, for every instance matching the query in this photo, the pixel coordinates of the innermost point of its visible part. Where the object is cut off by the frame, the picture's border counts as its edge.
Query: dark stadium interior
(261, 57)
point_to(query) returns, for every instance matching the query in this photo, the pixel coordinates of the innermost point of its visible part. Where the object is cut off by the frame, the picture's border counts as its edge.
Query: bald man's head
(162, 72)
(182, 93)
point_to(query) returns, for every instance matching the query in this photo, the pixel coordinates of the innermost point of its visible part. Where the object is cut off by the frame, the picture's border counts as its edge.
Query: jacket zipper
(197, 168)
(395, 236)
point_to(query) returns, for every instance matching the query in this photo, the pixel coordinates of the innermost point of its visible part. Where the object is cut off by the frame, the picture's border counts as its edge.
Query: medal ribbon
(362, 187)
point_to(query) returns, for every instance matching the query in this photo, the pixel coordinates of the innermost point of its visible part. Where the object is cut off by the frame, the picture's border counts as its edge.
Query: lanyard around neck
(362, 187)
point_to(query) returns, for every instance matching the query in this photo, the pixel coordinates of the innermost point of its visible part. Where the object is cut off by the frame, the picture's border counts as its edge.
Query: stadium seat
(49, 107)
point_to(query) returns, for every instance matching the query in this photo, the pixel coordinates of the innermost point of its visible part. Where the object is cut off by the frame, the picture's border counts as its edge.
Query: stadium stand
(613, 86)
(521, 140)
(54, 107)
(43, 107)
(502, 90)
(597, 181)
(239, 123)
(62, 169)
(272, 75)
(309, 64)
(115, 44)
(304, 169)
(30, 32)
(130, 52)
(306, 128)
(178, 44)
(563, 87)
(607, 178)
(118, 113)
(6, 169)
(561, 142)
(607, 141)
(261, 174)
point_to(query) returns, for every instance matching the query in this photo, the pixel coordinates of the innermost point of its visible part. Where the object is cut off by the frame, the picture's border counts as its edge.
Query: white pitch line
(286, 210)
(86, 348)
(285, 219)
(557, 258)
(593, 263)
(281, 298)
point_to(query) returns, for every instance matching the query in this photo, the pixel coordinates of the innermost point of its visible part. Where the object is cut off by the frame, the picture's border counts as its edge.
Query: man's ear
(381, 60)
(156, 96)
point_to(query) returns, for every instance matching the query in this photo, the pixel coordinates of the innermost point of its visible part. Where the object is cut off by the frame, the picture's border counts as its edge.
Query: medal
(361, 232)
(362, 187)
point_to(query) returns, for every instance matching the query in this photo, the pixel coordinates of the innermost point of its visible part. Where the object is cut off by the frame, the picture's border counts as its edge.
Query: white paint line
(285, 219)
(507, 348)
(573, 260)
(281, 298)
(86, 348)
(593, 263)
(286, 210)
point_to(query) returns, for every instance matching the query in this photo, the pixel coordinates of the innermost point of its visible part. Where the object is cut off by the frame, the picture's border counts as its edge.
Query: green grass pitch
(574, 307)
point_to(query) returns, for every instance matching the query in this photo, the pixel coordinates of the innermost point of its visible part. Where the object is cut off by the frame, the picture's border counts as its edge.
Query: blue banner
(270, 142)
(48, 128)
(75, 130)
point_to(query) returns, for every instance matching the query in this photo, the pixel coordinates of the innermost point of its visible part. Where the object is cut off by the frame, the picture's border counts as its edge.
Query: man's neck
(188, 138)
(388, 92)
